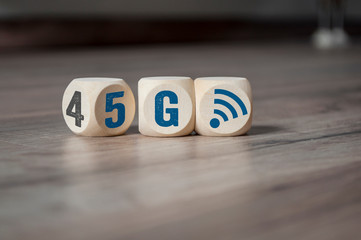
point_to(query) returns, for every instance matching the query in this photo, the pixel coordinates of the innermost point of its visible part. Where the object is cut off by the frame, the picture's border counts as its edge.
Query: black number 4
(75, 100)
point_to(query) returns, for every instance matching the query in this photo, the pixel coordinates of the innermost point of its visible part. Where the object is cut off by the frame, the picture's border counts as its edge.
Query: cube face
(98, 106)
(223, 106)
(166, 106)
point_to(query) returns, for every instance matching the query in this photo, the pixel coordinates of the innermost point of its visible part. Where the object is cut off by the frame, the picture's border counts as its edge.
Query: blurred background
(44, 23)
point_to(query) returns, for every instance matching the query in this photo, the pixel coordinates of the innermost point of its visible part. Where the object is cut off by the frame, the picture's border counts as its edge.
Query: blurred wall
(301, 9)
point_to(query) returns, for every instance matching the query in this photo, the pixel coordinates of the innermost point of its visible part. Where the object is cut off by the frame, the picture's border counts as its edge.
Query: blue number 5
(110, 106)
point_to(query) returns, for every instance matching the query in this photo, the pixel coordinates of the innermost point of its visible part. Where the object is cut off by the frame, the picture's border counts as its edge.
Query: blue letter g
(159, 108)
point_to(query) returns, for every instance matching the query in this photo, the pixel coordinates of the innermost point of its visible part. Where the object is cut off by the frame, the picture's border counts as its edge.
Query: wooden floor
(296, 175)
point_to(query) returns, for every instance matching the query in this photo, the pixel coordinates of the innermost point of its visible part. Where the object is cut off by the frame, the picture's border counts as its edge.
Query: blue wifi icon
(215, 121)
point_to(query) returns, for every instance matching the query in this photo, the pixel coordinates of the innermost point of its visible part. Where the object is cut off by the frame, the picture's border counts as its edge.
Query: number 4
(75, 101)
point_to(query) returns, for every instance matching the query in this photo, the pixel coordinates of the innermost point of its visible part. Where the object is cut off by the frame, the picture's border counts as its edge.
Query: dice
(223, 106)
(166, 106)
(98, 106)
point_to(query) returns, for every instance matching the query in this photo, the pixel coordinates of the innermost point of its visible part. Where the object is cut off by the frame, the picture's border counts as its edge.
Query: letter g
(159, 109)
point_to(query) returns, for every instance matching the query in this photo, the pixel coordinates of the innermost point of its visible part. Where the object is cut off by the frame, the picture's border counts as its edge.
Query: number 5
(110, 106)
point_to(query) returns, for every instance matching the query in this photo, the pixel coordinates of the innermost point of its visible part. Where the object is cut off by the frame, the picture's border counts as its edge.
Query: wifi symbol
(215, 121)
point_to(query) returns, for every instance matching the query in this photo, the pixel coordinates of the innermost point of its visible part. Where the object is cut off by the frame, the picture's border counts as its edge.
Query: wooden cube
(166, 106)
(223, 106)
(98, 106)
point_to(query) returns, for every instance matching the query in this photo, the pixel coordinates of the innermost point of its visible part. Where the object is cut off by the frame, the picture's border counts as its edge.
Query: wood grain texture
(295, 175)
